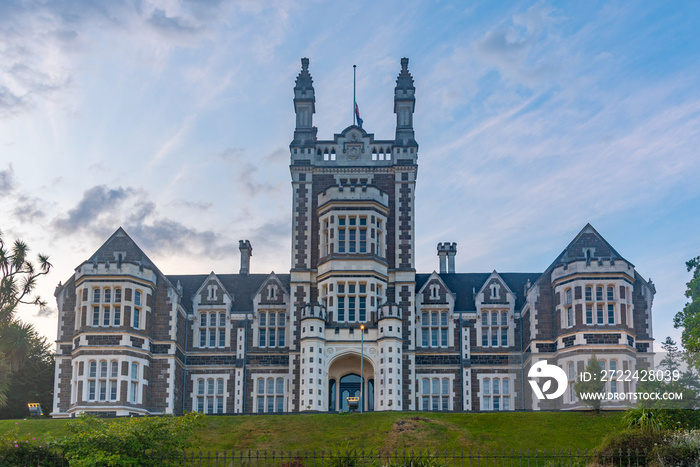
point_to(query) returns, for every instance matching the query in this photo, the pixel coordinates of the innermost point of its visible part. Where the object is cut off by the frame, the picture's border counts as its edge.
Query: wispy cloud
(7, 181)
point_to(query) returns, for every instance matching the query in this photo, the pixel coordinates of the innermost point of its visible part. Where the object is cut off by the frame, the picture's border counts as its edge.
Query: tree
(19, 278)
(33, 381)
(678, 378)
(595, 385)
(689, 318)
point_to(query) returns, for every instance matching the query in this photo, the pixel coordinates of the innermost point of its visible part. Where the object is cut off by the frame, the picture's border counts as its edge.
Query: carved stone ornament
(353, 152)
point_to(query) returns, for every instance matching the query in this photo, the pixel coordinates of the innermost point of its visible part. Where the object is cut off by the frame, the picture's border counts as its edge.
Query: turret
(313, 320)
(304, 107)
(389, 343)
(404, 106)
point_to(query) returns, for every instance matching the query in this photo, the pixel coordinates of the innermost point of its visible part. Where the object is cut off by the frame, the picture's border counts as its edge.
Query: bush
(662, 419)
(131, 441)
(616, 446)
(26, 450)
(680, 450)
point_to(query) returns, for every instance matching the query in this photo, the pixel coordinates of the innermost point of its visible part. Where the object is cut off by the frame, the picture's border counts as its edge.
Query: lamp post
(362, 368)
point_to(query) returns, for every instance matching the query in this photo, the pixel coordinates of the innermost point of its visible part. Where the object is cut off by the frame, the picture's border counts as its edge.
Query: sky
(173, 118)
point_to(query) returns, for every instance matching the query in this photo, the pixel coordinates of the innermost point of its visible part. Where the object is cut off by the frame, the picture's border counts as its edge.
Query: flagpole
(354, 100)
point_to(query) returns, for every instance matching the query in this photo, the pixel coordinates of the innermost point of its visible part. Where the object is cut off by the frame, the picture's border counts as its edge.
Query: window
(435, 394)
(495, 393)
(352, 302)
(571, 372)
(106, 307)
(352, 235)
(211, 292)
(134, 383)
(611, 293)
(212, 329)
(589, 293)
(611, 313)
(210, 395)
(270, 395)
(599, 313)
(435, 329)
(494, 291)
(589, 313)
(102, 380)
(136, 315)
(434, 291)
(494, 328)
(613, 381)
(567, 297)
(271, 329)
(569, 316)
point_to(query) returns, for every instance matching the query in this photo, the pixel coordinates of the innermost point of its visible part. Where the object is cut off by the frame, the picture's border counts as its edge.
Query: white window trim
(198, 327)
(430, 376)
(278, 328)
(265, 376)
(512, 392)
(195, 377)
(479, 327)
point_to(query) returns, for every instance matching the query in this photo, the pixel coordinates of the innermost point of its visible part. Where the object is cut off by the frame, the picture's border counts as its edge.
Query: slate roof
(463, 285)
(242, 286)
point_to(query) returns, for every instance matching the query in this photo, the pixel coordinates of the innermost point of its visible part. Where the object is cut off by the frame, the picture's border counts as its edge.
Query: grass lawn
(386, 430)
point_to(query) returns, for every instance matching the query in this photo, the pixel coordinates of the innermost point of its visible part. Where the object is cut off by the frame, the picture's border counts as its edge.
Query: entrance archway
(344, 381)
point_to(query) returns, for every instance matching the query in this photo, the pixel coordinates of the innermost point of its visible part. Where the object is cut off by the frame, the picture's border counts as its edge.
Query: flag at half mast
(357, 115)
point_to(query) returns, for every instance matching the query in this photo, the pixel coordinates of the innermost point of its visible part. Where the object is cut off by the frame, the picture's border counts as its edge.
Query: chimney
(447, 252)
(246, 253)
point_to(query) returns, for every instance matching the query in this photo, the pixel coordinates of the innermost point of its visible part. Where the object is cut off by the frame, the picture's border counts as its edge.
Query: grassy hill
(386, 430)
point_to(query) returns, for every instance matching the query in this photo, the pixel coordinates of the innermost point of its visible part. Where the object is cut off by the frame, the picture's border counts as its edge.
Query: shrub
(644, 419)
(616, 446)
(681, 449)
(26, 450)
(131, 441)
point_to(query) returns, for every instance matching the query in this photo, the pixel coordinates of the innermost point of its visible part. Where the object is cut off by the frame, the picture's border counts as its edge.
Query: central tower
(352, 256)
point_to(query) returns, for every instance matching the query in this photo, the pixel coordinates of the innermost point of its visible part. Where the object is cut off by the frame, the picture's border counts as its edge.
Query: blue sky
(173, 118)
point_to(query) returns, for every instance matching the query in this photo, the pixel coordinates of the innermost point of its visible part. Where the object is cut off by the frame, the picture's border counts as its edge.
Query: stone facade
(132, 340)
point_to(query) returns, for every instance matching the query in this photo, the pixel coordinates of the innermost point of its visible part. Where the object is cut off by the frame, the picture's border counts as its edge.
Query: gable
(120, 245)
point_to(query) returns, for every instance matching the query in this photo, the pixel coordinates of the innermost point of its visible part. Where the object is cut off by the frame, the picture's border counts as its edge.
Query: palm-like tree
(18, 278)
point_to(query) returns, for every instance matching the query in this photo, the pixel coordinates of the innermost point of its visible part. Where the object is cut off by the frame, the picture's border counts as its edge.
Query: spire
(404, 106)
(304, 80)
(304, 107)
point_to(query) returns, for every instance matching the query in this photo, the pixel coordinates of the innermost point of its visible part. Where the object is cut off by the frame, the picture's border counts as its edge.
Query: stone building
(133, 340)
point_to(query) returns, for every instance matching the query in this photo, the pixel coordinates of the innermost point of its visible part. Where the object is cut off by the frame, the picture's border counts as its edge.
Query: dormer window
(211, 289)
(434, 291)
(495, 288)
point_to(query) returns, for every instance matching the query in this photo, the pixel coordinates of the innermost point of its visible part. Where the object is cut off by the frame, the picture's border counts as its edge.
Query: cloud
(46, 312)
(101, 209)
(170, 25)
(96, 201)
(199, 206)
(7, 181)
(29, 209)
(41, 40)
(521, 50)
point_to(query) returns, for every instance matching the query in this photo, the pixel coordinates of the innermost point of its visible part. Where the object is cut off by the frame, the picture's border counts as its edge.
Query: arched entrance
(344, 381)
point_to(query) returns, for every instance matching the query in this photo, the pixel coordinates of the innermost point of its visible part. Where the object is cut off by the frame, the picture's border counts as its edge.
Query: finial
(304, 63)
(404, 63)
